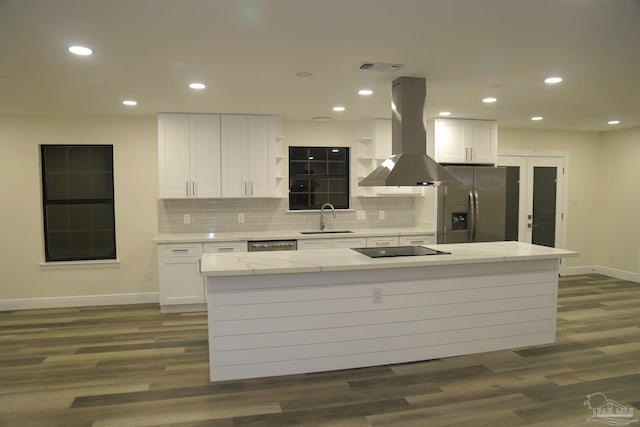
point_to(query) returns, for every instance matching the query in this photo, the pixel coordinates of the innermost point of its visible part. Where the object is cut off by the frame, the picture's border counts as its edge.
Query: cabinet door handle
(180, 251)
(186, 183)
(383, 243)
(470, 153)
(251, 187)
(194, 188)
(245, 188)
(417, 242)
(225, 249)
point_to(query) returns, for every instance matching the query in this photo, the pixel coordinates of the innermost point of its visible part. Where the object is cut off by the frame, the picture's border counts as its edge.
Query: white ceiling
(249, 51)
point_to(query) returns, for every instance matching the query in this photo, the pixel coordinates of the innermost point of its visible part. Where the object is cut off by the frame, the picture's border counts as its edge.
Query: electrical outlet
(186, 218)
(376, 294)
(361, 215)
(380, 214)
(241, 218)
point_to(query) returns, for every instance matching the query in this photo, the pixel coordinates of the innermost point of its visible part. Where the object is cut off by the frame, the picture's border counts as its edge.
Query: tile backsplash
(221, 215)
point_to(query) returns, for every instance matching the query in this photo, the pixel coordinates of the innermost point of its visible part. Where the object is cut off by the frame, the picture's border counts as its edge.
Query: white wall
(618, 207)
(583, 149)
(603, 196)
(604, 202)
(21, 228)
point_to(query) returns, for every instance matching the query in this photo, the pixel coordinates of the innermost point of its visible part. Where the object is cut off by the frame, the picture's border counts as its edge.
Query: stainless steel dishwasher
(272, 245)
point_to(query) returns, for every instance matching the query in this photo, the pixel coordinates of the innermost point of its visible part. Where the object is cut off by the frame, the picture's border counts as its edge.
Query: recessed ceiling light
(304, 74)
(339, 108)
(80, 50)
(197, 85)
(445, 113)
(130, 102)
(365, 92)
(536, 118)
(614, 122)
(489, 100)
(553, 80)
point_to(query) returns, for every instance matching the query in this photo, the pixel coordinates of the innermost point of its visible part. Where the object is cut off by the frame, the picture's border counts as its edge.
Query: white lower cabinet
(417, 240)
(382, 241)
(350, 242)
(306, 244)
(236, 246)
(180, 282)
(368, 242)
(181, 286)
(343, 242)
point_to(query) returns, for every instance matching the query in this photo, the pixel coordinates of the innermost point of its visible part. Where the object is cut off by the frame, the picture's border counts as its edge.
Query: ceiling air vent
(380, 66)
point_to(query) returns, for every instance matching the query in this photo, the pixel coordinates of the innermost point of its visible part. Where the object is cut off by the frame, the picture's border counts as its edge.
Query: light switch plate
(241, 218)
(186, 219)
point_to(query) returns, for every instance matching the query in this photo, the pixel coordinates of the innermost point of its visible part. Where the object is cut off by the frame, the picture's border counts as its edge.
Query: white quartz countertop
(283, 262)
(283, 235)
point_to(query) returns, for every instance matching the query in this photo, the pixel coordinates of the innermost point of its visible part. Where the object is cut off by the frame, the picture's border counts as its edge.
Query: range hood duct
(409, 165)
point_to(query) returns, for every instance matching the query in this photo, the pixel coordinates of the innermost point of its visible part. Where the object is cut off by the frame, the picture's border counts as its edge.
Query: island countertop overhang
(324, 260)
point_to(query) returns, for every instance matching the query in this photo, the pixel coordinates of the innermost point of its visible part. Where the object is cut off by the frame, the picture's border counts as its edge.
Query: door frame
(520, 158)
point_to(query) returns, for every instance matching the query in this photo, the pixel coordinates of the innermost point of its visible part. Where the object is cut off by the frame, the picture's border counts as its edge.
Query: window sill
(80, 264)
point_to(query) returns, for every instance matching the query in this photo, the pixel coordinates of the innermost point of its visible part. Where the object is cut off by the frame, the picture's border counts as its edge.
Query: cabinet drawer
(314, 244)
(417, 240)
(189, 249)
(382, 241)
(350, 242)
(239, 246)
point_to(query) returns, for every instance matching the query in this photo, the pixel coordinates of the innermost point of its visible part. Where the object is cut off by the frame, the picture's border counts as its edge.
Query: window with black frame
(78, 202)
(318, 175)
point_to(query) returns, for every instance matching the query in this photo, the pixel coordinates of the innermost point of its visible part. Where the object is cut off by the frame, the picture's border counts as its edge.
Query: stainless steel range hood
(409, 165)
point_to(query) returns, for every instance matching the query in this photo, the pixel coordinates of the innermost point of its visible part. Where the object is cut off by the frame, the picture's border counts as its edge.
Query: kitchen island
(287, 312)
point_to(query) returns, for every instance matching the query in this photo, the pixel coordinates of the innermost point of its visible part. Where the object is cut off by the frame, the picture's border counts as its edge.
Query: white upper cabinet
(188, 155)
(205, 131)
(463, 141)
(234, 147)
(373, 147)
(248, 155)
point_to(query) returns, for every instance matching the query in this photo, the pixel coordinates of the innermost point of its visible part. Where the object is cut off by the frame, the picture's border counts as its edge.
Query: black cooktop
(393, 251)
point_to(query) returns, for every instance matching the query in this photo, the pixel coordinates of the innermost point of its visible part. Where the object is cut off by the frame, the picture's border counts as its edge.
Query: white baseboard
(619, 274)
(577, 271)
(153, 297)
(78, 301)
(599, 269)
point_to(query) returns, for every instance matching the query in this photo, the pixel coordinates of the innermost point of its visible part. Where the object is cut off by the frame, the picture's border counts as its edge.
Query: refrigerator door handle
(476, 213)
(472, 217)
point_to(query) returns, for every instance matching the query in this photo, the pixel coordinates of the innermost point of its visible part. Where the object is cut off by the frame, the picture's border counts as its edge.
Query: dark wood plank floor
(133, 366)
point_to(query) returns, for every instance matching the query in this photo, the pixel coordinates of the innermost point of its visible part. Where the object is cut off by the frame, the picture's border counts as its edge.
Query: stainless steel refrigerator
(475, 210)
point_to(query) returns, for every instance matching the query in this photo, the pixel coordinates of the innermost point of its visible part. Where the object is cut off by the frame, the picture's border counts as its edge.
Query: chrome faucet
(333, 211)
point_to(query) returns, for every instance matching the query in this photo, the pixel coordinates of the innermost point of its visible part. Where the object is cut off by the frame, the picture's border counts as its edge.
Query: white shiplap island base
(277, 313)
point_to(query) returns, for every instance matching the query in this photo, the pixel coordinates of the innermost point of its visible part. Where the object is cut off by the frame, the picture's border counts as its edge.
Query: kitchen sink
(326, 232)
